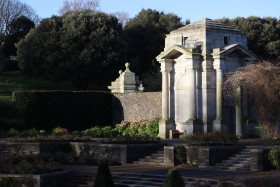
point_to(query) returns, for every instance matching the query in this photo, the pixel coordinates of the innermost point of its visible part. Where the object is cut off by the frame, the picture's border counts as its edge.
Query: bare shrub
(262, 83)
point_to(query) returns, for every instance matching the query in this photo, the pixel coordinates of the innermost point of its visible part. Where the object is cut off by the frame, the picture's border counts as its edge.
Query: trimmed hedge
(74, 110)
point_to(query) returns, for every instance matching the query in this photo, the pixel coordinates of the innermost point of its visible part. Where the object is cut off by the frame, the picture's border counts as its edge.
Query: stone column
(218, 123)
(192, 95)
(192, 123)
(238, 113)
(165, 124)
(165, 95)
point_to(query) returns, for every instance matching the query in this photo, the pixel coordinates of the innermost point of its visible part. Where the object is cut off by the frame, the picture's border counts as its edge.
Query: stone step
(154, 157)
(144, 183)
(238, 169)
(158, 180)
(151, 160)
(241, 165)
(157, 155)
(147, 163)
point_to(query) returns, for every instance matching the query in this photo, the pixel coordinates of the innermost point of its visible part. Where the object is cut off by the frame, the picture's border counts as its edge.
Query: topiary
(103, 176)
(173, 179)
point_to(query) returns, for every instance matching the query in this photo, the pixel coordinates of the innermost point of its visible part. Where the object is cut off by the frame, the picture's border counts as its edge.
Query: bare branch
(78, 5)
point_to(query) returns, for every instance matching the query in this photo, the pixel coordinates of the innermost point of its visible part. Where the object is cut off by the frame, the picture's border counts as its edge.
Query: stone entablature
(193, 63)
(127, 82)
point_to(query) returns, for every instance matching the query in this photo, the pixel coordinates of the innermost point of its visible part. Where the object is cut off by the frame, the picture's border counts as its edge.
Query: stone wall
(136, 106)
(113, 153)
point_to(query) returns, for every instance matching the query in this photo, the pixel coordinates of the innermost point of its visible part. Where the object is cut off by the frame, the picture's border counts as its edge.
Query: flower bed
(136, 132)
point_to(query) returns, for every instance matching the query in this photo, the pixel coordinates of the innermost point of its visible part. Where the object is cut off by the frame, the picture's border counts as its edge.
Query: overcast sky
(186, 9)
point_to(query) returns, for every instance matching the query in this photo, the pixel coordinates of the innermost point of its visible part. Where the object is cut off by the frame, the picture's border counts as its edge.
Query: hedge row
(48, 109)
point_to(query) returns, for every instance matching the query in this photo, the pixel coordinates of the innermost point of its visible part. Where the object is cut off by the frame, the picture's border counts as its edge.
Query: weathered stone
(256, 160)
(127, 82)
(136, 106)
(169, 155)
(193, 63)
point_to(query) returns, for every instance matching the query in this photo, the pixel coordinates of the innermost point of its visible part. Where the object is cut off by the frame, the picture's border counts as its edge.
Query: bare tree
(11, 9)
(122, 16)
(78, 5)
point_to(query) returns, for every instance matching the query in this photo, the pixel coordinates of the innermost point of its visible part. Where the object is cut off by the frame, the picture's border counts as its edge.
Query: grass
(15, 81)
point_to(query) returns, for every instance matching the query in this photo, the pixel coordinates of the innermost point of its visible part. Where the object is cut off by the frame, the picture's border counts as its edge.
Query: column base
(219, 125)
(194, 126)
(164, 127)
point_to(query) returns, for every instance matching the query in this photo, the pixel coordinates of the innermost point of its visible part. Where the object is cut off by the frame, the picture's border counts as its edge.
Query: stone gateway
(193, 63)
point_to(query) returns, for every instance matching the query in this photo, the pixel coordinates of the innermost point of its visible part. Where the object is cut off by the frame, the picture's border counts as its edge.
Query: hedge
(74, 110)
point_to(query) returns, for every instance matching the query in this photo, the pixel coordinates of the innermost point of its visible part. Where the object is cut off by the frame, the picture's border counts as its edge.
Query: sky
(186, 9)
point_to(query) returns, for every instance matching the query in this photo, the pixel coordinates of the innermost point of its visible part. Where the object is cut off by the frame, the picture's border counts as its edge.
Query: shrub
(253, 182)
(216, 138)
(47, 109)
(181, 154)
(60, 131)
(13, 182)
(139, 128)
(16, 164)
(173, 179)
(192, 156)
(103, 176)
(274, 157)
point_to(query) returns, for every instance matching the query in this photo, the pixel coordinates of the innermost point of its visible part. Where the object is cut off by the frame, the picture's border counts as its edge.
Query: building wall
(136, 106)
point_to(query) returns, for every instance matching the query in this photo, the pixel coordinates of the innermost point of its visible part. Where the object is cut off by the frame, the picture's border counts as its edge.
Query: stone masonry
(193, 63)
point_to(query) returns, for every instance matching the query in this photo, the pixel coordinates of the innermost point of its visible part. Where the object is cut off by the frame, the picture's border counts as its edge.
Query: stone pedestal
(164, 127)
(256, 160)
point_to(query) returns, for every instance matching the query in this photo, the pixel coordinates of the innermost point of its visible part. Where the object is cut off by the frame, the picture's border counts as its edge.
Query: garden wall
(76, 110)
(136, 106)
(113, 153)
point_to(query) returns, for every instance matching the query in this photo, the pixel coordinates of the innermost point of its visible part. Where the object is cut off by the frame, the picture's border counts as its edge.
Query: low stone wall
(209, 156)
(113, 153)
(43, 180)
(206, 156)
(136, 106)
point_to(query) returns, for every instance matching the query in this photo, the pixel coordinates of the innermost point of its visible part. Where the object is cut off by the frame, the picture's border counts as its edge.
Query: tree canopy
(145, 36)
(18, 28)
(78, 46)
(263, 34)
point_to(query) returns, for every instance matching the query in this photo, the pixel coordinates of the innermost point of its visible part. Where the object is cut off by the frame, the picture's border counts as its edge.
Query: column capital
(219, 64)
(166, 65)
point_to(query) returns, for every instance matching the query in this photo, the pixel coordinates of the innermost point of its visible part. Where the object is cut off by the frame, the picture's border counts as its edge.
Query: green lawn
(14, 81)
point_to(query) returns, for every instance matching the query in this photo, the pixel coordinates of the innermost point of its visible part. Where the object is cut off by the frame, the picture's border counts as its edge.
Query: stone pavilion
(193, 63)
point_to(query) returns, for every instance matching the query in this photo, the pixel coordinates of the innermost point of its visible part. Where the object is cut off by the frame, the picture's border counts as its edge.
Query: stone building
(193, 63)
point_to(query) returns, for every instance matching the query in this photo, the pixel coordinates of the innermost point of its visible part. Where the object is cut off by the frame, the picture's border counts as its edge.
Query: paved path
(188, 172)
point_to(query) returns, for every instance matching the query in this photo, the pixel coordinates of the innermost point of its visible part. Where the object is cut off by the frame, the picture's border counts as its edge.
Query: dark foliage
(145, 35)
(49, 109)
(103, 176)
(173, 179)
(262, 34)
(79, 47)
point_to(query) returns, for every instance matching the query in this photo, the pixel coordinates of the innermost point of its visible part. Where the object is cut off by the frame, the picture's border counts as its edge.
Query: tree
(39, 53)
(145, 35)
(12, 9)
(79, 46)
(262, 34)
(122, 16)
(261, 82)
(18, 28)
(78, 5)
